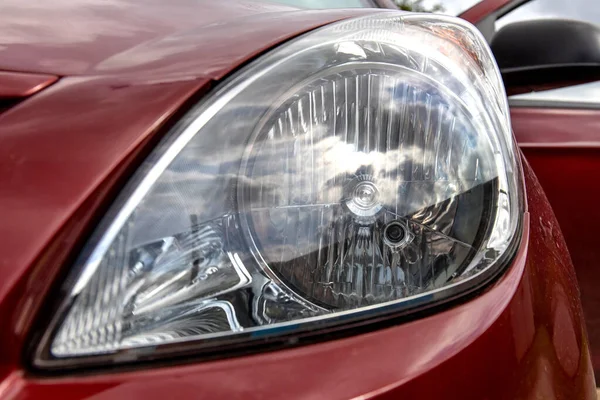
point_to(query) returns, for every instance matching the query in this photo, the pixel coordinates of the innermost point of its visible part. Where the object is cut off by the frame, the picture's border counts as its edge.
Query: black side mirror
(547, 52)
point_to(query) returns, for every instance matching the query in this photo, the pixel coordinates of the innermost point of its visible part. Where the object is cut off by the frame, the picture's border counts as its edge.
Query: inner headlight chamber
(352, 154)
(366, 167)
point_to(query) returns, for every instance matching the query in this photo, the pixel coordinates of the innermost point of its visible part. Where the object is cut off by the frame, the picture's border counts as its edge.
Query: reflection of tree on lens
(417, 6)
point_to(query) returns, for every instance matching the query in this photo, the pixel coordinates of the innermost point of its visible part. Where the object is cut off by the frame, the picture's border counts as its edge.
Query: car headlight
(366, 168)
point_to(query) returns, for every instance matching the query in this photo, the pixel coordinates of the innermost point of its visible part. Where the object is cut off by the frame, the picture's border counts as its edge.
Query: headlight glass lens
(350, 155)
(364, 168)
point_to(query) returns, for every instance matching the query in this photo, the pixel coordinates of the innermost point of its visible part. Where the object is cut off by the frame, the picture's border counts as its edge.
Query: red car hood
(166, 38)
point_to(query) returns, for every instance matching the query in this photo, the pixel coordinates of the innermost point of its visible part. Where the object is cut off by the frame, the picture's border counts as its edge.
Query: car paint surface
(17, 85)
(67, 150)
(561, 143)
(563, 147)
(156, 39)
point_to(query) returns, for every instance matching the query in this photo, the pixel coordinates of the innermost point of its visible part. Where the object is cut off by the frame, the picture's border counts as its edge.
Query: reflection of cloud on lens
(418, 150)
(316, 173)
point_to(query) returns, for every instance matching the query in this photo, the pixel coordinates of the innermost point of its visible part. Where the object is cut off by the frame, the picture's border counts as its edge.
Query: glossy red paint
(16, 85)
(161, 39)
(563, 147)
(71, 37)
(564, 128)
(522, 338)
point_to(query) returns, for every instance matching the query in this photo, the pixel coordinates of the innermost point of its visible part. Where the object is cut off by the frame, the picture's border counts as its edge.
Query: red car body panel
(72, 38)
(562, 146)
(567, 129)
(152, 38)
(17, 85)
(66, 151)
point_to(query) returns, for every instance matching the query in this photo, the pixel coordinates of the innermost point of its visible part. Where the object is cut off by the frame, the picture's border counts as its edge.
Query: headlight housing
(364, 169)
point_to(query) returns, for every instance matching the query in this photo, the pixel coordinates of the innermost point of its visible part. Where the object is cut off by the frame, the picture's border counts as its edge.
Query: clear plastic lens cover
(363, 167)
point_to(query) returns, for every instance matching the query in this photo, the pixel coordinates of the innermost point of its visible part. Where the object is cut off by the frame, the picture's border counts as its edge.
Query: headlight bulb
(362, 199)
